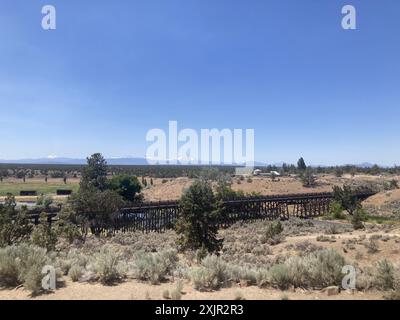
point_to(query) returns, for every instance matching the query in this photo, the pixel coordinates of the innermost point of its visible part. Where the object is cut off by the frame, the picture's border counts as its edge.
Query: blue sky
(115, 69)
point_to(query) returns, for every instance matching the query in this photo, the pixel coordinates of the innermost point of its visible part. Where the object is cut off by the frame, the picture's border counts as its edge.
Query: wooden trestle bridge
(160, 216)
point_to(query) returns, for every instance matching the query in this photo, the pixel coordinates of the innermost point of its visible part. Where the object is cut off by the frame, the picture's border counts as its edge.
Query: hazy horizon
(121, 160)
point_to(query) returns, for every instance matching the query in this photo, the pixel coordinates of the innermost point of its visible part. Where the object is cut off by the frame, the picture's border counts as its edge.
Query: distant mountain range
(56, 160)
(126, 161)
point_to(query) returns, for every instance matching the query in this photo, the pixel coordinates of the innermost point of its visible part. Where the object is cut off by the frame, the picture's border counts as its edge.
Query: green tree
(68, 224)
(43, 234)
(128, 187)
(224, 190)
(375, 170)
(347, 198)
(358, 217)
(301, 164)
(197, 224)
(94, 175)
(14, 224)
(96, 209)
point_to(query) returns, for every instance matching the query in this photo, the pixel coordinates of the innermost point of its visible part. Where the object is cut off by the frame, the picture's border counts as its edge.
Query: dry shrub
(239, 273)
(239, 296)
(280, 276)
(372, 246)
(176, 295)
(214, 273)
(148, 242)
(305, 247)
(385, 275)
(273, 234)
(75, 273)
(392, 295)
(22, 264)
(318, 269)
(382, 276)
(154, 267)
(365, 279)
(166, 295)
(108, 265)
(74, 257)
(322, 238)
(211, 274)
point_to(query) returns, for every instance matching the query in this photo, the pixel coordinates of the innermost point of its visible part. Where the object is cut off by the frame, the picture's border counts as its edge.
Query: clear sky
(115, 69)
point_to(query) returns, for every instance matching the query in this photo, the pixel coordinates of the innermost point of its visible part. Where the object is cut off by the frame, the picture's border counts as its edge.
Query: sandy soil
(133, 290)
(173, 188)
(386, 203)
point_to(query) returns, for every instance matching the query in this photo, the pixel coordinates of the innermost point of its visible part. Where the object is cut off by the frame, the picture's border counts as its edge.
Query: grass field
(15, 186)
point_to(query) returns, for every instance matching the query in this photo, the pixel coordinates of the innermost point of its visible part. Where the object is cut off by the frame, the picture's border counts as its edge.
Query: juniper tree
(95, 173)
(68, 224)
(95, 209)
(43, 235)
(301, 164)
(126, 186)
(347, 198)
(198, 221)
(14, 224)
(357, 219)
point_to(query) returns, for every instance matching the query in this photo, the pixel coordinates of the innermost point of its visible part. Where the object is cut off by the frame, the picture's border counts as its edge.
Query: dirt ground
(134, 290)
(172, 189)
